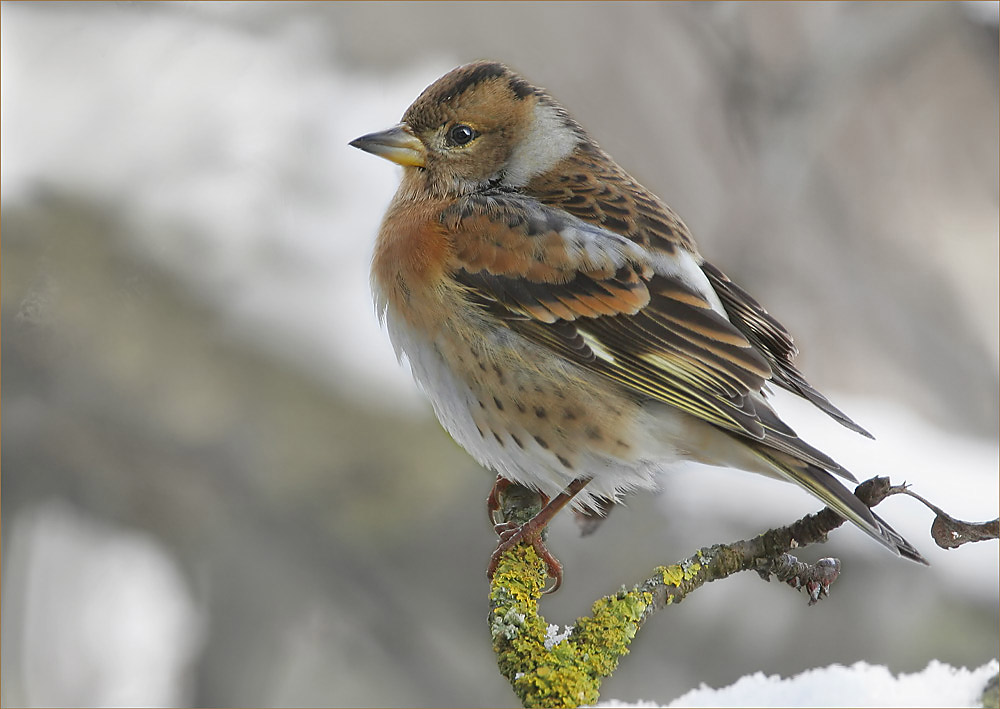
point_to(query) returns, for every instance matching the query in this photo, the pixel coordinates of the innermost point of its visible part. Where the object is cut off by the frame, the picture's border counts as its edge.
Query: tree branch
(547, 670)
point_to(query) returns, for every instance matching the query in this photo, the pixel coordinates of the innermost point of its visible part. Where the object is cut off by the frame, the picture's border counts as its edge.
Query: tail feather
(842, 501)
(902, 547)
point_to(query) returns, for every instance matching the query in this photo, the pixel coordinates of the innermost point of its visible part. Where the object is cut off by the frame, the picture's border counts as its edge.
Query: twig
(950, 533)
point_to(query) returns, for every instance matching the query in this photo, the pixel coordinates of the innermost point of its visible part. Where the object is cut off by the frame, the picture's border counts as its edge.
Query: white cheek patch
(548, 142)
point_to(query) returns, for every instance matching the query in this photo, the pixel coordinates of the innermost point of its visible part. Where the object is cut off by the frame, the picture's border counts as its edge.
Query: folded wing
(654, 326)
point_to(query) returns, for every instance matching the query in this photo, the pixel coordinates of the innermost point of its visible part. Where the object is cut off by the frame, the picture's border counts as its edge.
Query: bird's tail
(842, 501)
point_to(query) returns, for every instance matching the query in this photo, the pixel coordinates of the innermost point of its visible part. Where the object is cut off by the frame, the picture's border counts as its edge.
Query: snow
(860, 685)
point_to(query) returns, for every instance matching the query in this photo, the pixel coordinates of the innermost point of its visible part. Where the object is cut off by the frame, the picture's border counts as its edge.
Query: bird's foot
(512, 534)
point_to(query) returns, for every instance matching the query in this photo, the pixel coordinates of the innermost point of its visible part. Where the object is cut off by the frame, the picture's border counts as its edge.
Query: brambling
(559, 316)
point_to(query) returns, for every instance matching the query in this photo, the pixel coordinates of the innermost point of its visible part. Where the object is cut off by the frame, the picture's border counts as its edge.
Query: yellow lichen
(677, 574)
(570, 672)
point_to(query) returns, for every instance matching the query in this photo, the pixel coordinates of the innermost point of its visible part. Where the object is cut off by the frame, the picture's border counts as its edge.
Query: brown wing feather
(592, 187)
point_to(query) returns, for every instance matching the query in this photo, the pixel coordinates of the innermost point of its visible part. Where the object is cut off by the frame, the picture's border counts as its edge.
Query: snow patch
(860, 685)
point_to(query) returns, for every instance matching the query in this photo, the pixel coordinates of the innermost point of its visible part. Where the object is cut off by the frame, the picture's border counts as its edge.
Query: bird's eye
(461, 134)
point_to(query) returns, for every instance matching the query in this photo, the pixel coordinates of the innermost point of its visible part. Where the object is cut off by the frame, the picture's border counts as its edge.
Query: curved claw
(510, 535)
(493, 499)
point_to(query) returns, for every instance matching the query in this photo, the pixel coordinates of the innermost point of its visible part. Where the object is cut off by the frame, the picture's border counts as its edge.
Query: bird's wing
(648, 321)
(595, 190)
(772, 340)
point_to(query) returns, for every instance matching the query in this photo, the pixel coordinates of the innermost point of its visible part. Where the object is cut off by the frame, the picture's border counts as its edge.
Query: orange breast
(410, 258)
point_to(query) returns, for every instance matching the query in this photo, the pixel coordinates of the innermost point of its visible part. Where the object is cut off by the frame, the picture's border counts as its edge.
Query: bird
(564, 325)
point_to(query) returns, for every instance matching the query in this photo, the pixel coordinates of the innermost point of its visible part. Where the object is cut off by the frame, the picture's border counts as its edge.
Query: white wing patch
(683, 266)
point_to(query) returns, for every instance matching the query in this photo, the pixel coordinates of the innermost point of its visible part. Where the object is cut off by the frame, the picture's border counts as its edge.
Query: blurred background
(221, 489)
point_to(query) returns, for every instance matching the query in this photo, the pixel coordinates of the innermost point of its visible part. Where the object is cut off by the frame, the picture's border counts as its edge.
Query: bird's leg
(511, 534)
(493, 503)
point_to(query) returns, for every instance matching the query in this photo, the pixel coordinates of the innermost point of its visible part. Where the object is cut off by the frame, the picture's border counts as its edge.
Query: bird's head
(478, 125)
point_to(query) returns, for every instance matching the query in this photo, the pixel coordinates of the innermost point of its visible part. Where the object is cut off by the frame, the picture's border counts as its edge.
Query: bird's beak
(397, 144)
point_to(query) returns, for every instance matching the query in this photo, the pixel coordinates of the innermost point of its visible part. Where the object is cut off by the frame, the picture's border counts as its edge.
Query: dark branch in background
(547, 670)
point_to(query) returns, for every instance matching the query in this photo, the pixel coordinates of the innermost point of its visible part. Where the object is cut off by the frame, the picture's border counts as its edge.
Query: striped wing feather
(670, 351)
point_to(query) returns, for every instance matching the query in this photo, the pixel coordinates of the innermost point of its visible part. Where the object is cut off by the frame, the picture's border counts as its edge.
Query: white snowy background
(186, 262)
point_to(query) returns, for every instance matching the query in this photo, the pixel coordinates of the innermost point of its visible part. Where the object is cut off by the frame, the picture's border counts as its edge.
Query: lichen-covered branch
(545, 671)
(549, 670)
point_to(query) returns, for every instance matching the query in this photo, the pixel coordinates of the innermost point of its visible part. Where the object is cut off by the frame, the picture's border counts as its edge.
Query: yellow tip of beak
(397, 144)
